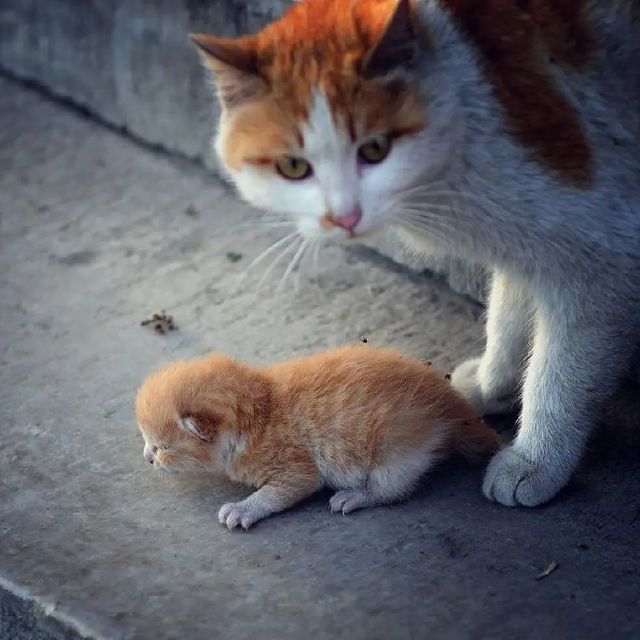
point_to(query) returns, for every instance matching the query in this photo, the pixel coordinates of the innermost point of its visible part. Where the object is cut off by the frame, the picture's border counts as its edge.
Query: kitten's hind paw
(349, 500)
(512, 480)
(466, 380)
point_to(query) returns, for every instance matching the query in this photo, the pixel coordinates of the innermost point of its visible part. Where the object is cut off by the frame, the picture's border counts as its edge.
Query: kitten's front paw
(466, 380)
(349, 500)
(234, 514)
(512, 480)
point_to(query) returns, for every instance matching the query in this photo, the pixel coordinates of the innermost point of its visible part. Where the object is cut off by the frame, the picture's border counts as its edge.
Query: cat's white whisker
(430, 205)
(434, 226)
(293, 239)
(424, 228)
(310, 257)
(304, 261)
(292, 265)
(473, 197)
(280, 223)
(269, 250)
(425, 212)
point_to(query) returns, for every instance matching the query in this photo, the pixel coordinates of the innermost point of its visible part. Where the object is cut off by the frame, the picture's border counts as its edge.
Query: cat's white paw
(349, 500)
(466, 380)
(234, 514)
(512, 480)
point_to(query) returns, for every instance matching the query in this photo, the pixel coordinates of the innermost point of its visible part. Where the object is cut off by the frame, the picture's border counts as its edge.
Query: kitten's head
(323, 114)
(191, 411)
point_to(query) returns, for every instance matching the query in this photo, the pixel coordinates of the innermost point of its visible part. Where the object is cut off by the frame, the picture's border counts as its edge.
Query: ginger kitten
(367, 422)
(504, 132)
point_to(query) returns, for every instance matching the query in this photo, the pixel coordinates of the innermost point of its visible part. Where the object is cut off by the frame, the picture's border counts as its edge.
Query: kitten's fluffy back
(376, 400)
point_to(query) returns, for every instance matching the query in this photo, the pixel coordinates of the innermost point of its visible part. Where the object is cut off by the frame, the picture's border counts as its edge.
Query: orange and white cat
(505, 132)
(365, 421)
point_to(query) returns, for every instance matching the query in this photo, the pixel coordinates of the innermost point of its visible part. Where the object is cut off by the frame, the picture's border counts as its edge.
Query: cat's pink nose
(349, 221)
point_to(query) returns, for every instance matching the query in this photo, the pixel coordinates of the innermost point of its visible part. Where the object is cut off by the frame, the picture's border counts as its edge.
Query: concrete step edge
(26, 616)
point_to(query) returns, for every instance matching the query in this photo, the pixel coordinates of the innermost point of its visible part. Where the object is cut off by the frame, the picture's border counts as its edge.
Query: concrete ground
(97, 234)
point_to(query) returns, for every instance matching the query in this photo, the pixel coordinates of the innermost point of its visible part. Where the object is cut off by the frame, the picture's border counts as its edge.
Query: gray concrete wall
(130, 63)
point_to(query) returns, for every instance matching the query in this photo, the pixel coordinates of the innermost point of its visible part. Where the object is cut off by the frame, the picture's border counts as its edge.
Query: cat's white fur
(565, 302)
(339, 182)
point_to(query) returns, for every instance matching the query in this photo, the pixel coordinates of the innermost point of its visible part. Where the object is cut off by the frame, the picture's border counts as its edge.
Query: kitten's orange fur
(365, 421)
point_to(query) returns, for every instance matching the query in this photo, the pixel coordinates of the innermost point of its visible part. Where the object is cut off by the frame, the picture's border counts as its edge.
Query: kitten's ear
(196, 426)
(234, 63)
(397, 47)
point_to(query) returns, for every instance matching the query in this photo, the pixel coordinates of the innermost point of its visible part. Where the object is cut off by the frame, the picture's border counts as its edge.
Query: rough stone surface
(96, 234)
(130, 63)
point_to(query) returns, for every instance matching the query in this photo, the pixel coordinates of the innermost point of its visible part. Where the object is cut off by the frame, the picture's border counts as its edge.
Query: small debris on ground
(232, 256)
(551, 567)
(191, 211)
(160, 323)
(364, 340)
(492, 567)
(454, 547)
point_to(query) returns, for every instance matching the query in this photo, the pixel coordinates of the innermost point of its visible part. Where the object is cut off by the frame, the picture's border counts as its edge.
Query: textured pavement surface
(97, 234)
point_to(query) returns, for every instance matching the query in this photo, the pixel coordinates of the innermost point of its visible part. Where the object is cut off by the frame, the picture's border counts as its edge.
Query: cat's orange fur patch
(517, 42)
(320, 46)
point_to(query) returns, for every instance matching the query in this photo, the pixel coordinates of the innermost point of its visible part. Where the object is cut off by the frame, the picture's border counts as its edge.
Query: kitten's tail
(475, 440)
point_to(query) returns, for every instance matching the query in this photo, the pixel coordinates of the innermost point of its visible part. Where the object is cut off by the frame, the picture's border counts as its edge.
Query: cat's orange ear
(238, 53)
(398, 45)
(234, 62)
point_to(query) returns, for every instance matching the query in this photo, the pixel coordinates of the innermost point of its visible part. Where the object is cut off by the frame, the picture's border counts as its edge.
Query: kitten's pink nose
(349, 221)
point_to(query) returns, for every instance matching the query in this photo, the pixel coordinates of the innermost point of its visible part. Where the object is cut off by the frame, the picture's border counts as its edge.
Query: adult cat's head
(324, 117)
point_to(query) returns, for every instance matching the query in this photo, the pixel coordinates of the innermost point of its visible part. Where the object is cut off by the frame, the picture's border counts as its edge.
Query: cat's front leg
(490, 383)
(576, 360)
(270, 498)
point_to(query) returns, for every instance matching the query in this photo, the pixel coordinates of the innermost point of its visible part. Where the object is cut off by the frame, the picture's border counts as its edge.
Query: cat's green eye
(375, 150)
(293, 168)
